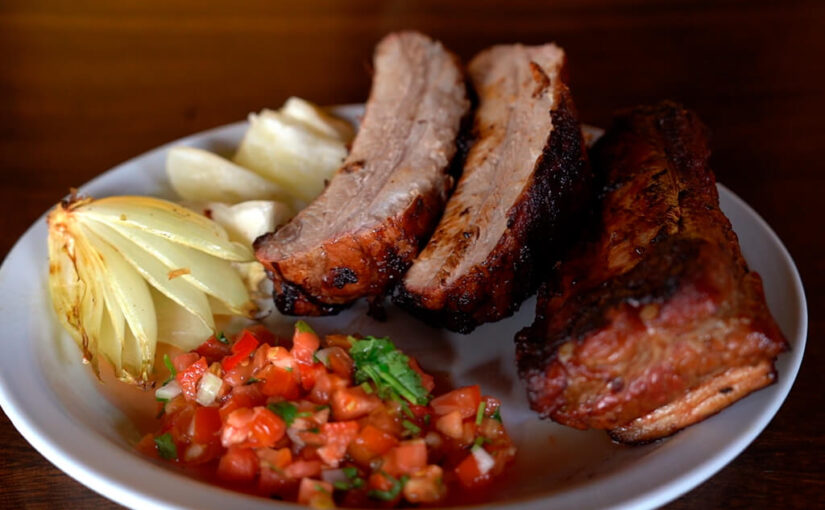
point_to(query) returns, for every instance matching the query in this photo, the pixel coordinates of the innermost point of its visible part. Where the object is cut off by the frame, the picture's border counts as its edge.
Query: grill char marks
(525, 179)
(655, 323)
(362, 233)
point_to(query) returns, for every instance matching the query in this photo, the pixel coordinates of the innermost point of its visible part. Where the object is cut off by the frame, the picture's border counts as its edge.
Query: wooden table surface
(85, 85)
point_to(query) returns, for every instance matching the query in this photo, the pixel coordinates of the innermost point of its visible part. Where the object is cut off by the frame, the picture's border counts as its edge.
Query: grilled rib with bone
(524, 181)
(657, 322)
(369, 223)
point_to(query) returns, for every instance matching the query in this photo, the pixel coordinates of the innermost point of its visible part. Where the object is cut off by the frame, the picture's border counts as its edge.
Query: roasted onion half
(126, 272)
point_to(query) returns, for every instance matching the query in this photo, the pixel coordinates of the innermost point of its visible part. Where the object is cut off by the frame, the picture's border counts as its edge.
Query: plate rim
(92, 476)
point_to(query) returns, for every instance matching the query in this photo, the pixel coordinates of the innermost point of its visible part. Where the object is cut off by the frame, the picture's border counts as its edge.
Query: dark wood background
(85, 85)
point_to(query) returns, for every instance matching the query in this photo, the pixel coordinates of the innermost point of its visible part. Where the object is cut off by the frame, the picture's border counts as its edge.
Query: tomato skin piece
(242, 396)
(451, 424)
(304, 345)
(340, 363)
(278, 382)
(274, 459)
(213, 350)
(207, 424)
(337, 436)
(370, 443)
(352, 403)
(238, 465)
(241, 349)
(189, 377)
(464, 400)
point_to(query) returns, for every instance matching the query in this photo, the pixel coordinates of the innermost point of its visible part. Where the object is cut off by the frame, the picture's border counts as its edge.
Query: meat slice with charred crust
(656, 322)
(363, 231)
(524, 181)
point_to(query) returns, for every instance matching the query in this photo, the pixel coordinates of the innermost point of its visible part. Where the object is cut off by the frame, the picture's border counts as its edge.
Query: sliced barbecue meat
(364, 230)
(525, 181)
(656, 323)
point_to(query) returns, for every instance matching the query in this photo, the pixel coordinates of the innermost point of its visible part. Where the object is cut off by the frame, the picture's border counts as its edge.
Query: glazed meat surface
(364, 230)
(655, 322)
(524, 181)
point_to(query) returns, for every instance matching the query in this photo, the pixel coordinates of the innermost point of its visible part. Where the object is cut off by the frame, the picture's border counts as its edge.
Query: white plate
(52, 400)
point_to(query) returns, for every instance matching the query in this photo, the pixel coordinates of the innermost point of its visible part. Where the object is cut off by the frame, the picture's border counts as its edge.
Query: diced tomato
(147, 446)
(315, 493)
(309, 374)
(427, 380)
(267, 427)
(385, 420)
(304, 345)
(213, 350)
(241, 349)
(239, 374)
(275, 482)
(464, 400)
(371, 442)
(206, 424)
(242, 396)
(338, 340)
(278, 382)
(196, 453)
(451, 425)
(274, 459)
(259, 358)
(425, 486)
(325, 385)
(340, 362)
(188, 378)
(406, 458)
(379, 481)
(353, 403)
(182, 361)
(238, 465)
(469, 474)
(337, 436)
(303, 469)
(281, 358)
(262, 334)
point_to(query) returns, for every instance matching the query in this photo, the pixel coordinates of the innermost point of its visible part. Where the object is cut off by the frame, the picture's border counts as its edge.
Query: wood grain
(87, 84)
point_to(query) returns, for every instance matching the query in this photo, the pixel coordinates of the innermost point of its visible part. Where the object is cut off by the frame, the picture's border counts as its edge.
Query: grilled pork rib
(369, 223)
(525, 178)
(656, 323)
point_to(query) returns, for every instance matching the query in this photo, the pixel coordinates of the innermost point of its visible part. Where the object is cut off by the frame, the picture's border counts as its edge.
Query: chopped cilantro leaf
(288, 412)
(320, 488)
(427, 419)
(220, 337)
(166, 447)
(304, 414)
(314, 430)
(412, 427)
(252, 380)
(480, 413)
(172, 372)
(378, 360)
(343, 486)
(321, 407)
(160, 399)
(350, 472)
(497, 414)
(366, 387)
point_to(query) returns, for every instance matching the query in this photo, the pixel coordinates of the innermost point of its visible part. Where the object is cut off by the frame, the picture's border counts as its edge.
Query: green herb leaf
(172, 372)
(159, 399)
(350, 472)
(497, 414)
(378, 360)
(220, 337)
(480, 412)
(252, 380)
(321, 407)
(314, 430)
(480, 440)
(393, 491)
(427, 419)
(304, 414)
(343, 486)
(411, 427)
(303, 327)
(166, 447)
(288, 412)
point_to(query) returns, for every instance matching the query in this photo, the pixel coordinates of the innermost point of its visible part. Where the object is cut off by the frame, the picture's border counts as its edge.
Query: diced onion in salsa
(339, 421)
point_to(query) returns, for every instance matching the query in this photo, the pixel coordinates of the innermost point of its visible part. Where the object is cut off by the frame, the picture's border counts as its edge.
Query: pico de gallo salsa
(326, 421)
